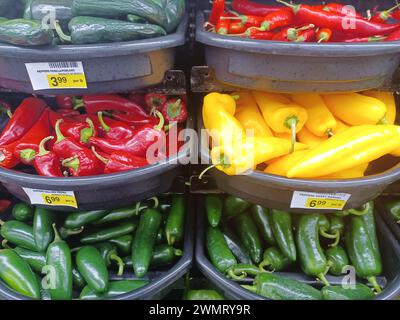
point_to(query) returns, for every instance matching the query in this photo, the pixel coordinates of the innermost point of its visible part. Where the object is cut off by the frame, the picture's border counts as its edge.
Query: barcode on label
(58, 65)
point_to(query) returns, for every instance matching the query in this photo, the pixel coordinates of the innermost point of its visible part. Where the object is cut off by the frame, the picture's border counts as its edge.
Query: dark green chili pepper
(274, 260)
(144, 241)
(393, 207)
(175, 225)
(117, 231)
(240, 271)
(369, 220)
(123, 244)
(77, 220)
(135, 19)
(43, 228)
(92, 268)
(248, 234)
(59, 263)
(282, 229)
(160, 236)
(66, 233)
(262, 219)
(77, 279)
(220, 255)
(109, 253)
(360, 248)
(337, 260)
(312, 258)
(22, 212)
(36, 260)
(115, 288)
(18, 275)
(336, 229)
(234, 206)
(18, 233)
(234, 244)
(359, 292)
(203, 295)
(214, 205)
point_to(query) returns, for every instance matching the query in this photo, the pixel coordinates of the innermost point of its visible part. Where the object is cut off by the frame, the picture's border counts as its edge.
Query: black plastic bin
(390, 249)
(111, 67)
(301, 67)
(162, 282)
(392, 225)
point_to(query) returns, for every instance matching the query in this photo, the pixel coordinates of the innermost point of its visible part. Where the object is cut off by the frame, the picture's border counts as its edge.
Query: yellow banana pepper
(356, 109)
(321, 121)
(286, 136)
(388, 99)
(218, 118)
(241, 156)
(353, 173)
(340, 127)
(306, 137)
(281, 166)
(356, 146)
(250, 116)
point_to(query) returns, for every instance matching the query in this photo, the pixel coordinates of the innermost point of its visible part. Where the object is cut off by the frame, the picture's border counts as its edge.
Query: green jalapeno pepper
(36, 260)
(175, 225)
(274, 260)
(394, 209)
(77, 220)
(337, 260)
(43, 228)
(358, 292)
(123, 228)
(109, 254)
(283, 233)
(203, 295)
(123, 244)
(214, 205)
(234, 244)
(18, 233)
(115, 288)
(22, 212)
(262, 219)
(234, 206)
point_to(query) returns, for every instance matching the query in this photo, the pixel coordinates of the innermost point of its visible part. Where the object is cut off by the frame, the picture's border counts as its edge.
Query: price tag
(319, 201)
(57, 75)
(52, 198)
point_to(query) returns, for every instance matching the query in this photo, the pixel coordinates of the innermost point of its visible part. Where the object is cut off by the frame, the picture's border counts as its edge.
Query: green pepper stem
(75, 249)
(329, 133)
(264, 263)
(291, 123)
(231, 274)
(1, 222)
(250, 288)
(137, 208)
(105, 127)
(65, 233)
(156, 202)
(119, 262)
(57, 237)
(178, 253)
(327, 235)
(42, 149)
(60, 33)
(101, 158)
(235, 97)
(364, 209)
(27, 154)
(321, 277)
(60, 136)
(78, 103)
(337, 240)
(170, 239)
(162, 120)
(4, 244)
(384, 120)
(201, 175)
(372, 280)
(72, 163)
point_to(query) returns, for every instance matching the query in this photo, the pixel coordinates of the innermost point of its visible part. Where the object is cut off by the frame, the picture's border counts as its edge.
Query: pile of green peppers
(246, 240)
(87, 21)
(47, 255)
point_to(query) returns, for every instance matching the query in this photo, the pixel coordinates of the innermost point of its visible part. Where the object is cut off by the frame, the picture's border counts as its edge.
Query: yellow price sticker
(321, 203)
(57, 81)
(60, 200)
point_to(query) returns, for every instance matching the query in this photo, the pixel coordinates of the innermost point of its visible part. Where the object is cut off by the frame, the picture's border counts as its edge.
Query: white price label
(57, 75)
(319, 201)
(52, 198)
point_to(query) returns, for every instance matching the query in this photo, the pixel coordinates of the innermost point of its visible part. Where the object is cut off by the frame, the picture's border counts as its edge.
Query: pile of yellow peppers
(308, 136)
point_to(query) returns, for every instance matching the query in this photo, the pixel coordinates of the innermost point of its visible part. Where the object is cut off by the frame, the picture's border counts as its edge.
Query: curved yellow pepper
(306, 137)
(340, 127)
(356, 109)
(241, 156)
(286, 136)
(321, 121)
(250, 116)
(388, 99)
(353, 147)
(353, 173)
(218, 118)
(281, 166)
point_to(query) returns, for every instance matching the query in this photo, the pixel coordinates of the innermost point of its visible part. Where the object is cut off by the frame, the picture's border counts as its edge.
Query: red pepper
(217, 10)
(261, 35)
(134, 120)
(174, 110)
(82, 118)
(252, 8)
(306, 36)
(120, 161)
(324, 35)
(4, 205)
(47, 162)
(118, 129)
(364, 39)
(111, 102)
(65, 102)
(67, 113)
(222, 27)
(278, 19)
(138, 98)
(137, 145)
(290, 34)
(236, 27)
(155, 100)
(394, 36)
(83, 163)
(25, 116)
(383, 16)
(396, 15)
(339, 8)
(334, 21)
(247, 20)
(27, 147)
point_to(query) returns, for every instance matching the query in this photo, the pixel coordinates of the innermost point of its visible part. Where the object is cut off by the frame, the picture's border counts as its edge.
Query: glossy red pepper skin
(27, 147)
(65, 102)
(137, 145)
(324, 35)
(134, 120)
(384, 16)
(252, 8)
(236, 27)
(217, 10)
(24, 117)
(83, 163)
(394, 36)
(174, 110)
(111, 102)
(306, 36)
(113, 129)
(47, 163)
(338, 8)
(222, 26)
(120, 161)
(278, 19)
(282, 35)
(260, 35)
(67, 113)
(138, 98)
(154, 101)
(396, 15)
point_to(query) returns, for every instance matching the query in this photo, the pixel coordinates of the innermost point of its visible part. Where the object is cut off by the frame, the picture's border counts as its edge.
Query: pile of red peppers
(330, 22)
(89, 135)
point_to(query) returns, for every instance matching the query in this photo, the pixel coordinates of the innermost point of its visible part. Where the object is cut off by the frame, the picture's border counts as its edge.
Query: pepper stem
(178, 253)
(372, 280)
(321, 277)
(250, 288)
(120, 264)
(201, 175)
(391, 9)
(162, 121)
(78, 103)
(156, 202)
(337, 240)
(264, 263)
(291, 123)
(137, 209)
(65, 233)
(60, 136)
(72, 163)
(1, 222)
(295, 7)
(101, 158)
(27, 154)
(42, 148)
(231, 274)
(87, 133)
(57, 236)
(384, 120)
(60, 33)
(364, 210)
(4, 244)
(327, 235)
(105, 127)
(170, 239)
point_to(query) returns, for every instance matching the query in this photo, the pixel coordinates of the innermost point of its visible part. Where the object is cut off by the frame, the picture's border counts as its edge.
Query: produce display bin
(110, 67)
(390, 249)
(103, 191)
(392, 225)
(300, 67)
(162, 282)
(277, 192)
